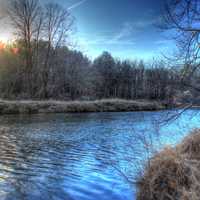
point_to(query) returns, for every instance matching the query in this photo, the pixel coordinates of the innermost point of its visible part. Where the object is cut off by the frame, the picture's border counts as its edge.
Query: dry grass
(174, 173)
(190, 146)
(111, 105)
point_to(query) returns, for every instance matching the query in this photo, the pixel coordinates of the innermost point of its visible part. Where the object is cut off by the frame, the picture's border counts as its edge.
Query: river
(89, 156)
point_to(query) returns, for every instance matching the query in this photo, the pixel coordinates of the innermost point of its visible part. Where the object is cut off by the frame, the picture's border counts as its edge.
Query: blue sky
(126, 28)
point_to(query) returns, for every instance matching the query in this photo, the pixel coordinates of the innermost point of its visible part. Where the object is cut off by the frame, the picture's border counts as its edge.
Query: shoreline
(52, 106)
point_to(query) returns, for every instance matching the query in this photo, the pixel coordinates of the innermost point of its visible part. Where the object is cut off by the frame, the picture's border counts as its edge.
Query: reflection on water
(76, 156)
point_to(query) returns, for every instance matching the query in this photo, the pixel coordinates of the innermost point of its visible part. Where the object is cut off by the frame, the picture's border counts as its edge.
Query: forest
(40, 64)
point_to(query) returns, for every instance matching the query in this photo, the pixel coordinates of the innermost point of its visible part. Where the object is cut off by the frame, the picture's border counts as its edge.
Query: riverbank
(174, 173)
(112, 105)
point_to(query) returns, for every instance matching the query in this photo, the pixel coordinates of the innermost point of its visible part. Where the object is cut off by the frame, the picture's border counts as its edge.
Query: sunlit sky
(126, 28)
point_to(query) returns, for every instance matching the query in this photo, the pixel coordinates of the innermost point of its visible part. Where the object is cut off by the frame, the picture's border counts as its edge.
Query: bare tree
(41, 31)
(182, 17)
(57, 25)
(24, 14)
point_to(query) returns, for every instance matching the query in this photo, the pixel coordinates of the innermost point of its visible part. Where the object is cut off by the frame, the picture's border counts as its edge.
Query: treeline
(39, 65)
(73, 76)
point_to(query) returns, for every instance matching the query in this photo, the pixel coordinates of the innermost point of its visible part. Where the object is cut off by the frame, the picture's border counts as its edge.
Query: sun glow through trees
(2, 45)
(9, 47)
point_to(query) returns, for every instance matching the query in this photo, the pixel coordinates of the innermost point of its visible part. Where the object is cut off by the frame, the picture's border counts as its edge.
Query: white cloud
(125, 37)
(162, 42)
(103, 40)
(126, 31)
(77, 4)
(129, 28)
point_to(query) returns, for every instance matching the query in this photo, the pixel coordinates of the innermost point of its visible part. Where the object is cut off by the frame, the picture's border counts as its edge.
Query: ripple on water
(75, 156)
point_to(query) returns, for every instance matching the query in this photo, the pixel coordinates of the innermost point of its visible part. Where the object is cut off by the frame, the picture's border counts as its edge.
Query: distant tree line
(39, 65)
(73, 76)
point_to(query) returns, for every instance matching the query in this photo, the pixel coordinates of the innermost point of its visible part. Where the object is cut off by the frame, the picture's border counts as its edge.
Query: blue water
(83, 156)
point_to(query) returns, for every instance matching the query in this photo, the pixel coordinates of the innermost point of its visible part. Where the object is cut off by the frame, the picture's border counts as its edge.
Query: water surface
(81, 156)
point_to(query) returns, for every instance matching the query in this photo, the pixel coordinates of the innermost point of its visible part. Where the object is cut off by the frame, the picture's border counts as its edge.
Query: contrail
(77, 4)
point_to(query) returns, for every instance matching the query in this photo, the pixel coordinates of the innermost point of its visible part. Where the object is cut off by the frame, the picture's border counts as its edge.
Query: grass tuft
(174, 173)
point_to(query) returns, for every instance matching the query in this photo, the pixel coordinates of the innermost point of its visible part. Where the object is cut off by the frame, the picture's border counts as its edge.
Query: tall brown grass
(107, 105)
(174, 173)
